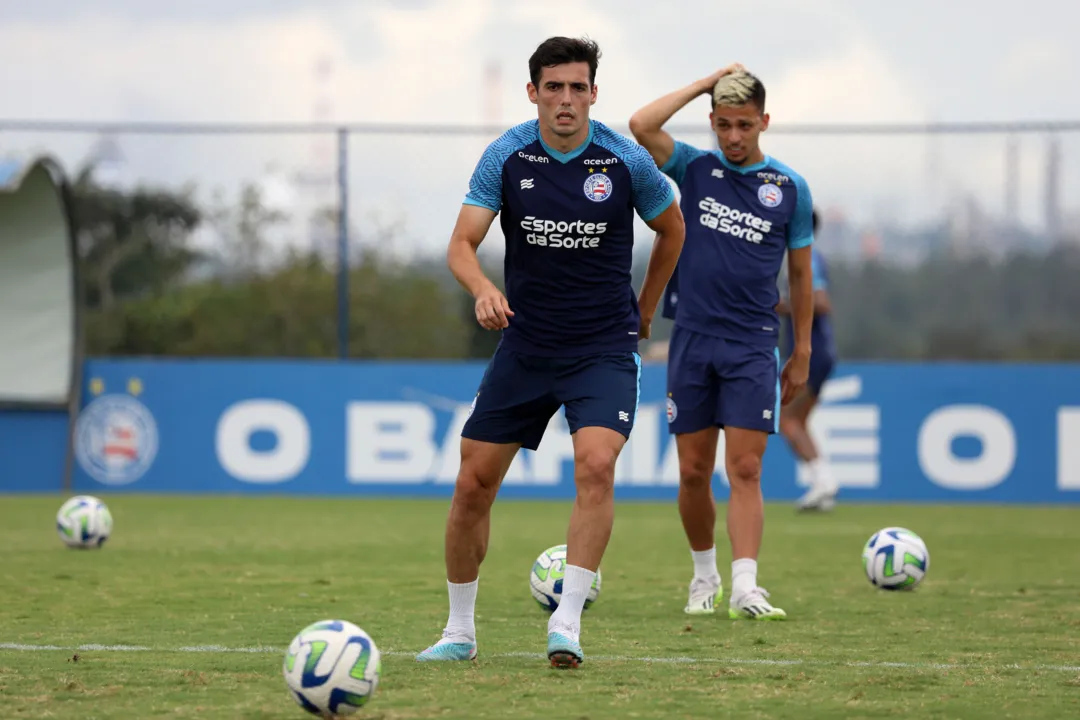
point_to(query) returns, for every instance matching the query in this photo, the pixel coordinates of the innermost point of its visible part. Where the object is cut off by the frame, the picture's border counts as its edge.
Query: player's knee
(594, 468)
(477, 485)
(744, 469)
(471, 496)
(695, 471)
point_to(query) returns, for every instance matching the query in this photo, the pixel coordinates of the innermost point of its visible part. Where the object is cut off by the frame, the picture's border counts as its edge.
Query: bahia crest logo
(598, 187)
(116, 437)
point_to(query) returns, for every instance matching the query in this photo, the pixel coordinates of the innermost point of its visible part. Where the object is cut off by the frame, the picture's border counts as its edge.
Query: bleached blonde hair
(738, 88)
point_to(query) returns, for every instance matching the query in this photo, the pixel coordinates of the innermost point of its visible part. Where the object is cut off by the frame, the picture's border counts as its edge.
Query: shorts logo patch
(672, 411)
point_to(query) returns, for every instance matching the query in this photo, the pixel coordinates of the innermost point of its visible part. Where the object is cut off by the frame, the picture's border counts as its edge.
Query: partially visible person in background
(793, 417)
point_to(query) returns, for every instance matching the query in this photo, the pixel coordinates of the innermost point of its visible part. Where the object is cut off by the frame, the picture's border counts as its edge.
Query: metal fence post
(343, 243)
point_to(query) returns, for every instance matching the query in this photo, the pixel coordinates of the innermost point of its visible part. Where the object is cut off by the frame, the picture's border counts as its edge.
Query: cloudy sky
(422, 61)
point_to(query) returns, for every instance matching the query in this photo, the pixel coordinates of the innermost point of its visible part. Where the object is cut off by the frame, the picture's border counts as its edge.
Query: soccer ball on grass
(84, 522)
(895, 559)
(546, 579)
(332, 668)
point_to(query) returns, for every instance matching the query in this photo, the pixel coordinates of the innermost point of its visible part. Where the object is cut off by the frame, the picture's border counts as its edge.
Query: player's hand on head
(492, 309)
(794, 376)
(715, 77)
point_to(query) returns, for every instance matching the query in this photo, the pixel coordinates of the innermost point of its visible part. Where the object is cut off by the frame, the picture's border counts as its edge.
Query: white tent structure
(38, 298)
(40, 325)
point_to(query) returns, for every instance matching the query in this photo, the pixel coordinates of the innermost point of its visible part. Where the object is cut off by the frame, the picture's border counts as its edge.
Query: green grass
(998, 608)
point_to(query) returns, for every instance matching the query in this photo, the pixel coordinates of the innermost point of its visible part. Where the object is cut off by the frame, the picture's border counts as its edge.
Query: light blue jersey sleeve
(817, 271)
(652, 193)
(800, 229)
(681, 157)
(485, 185)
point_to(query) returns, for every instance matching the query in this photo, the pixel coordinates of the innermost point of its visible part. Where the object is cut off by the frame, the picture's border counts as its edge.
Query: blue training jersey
(568, 219)
(822, 341)
(740, 221)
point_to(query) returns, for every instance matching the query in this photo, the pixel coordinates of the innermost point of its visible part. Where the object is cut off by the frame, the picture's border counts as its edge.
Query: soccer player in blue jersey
(744, 211)
(566, 188)
(793, 417)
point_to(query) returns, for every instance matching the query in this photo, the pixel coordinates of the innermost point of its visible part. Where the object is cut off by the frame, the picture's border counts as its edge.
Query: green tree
(131, 243)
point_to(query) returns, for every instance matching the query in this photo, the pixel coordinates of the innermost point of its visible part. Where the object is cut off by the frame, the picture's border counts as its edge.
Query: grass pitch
(188, 609)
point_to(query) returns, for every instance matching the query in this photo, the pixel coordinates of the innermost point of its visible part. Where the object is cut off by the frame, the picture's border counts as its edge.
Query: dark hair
(814, 215)
(563, 50)
(756, 92)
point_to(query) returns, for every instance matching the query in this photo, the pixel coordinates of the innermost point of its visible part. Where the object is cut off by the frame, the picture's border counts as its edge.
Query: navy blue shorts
(519, 394)
(821, 367)
(714, 382)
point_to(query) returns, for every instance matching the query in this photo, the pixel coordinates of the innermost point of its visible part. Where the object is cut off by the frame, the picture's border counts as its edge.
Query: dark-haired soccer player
(744, 211)
(567, 189)
(794, 417)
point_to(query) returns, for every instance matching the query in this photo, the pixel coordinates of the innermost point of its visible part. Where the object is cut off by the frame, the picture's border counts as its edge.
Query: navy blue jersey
(568, 219)
(740, 221)
(822, 342)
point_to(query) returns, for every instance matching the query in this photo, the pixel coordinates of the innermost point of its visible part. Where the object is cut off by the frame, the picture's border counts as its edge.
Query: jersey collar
(742, 169)
(567, 156)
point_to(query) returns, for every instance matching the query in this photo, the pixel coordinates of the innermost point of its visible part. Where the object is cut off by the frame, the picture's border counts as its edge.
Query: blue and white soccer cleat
(563, 652)
(447, 650)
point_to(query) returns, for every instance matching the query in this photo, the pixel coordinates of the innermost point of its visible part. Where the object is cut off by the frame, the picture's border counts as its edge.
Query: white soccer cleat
(754, 605)
(819, 498)
(704, 595)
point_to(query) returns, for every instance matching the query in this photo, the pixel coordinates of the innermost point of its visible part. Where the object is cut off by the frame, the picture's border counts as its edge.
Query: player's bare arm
(492, 309)
(801, 293)
(647, 124)
(822, 304)
(670, 231)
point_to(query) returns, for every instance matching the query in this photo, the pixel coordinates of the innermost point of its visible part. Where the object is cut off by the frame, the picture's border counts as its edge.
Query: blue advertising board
(892, 432)
(33, 450)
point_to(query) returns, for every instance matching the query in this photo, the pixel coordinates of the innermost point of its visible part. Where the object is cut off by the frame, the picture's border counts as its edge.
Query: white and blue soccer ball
(546, 579)
(332, 668)
(895, 559)
(84, 522)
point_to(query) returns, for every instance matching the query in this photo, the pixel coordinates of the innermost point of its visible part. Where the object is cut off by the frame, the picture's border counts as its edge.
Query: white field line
(678, 660)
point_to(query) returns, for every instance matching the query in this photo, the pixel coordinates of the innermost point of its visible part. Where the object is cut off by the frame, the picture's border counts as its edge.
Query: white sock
(705, 564)
(460, 626)
(743, 577)
(575, 588)
(821, 475)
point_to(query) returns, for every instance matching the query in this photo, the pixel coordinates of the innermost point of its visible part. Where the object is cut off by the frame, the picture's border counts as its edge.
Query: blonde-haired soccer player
(744, 211)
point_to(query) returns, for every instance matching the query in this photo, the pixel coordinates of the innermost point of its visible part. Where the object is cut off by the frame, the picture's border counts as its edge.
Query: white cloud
(857, 84)
(1033, 57)
(836, 62)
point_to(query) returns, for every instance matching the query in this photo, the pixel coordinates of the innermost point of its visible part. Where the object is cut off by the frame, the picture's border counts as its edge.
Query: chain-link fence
(892, 193)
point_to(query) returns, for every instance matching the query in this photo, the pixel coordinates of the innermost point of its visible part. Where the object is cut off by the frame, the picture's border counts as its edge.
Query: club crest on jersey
(770, 195)
(598, 187)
